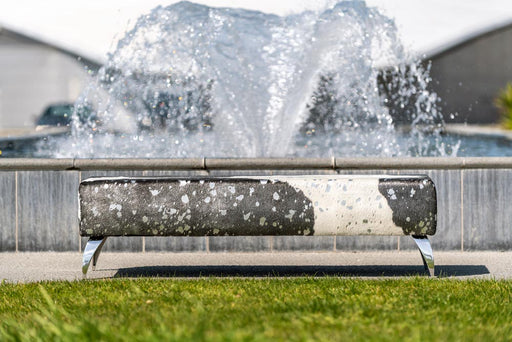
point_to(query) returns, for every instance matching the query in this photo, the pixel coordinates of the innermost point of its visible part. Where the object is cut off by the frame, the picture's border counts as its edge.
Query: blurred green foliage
(504, 103)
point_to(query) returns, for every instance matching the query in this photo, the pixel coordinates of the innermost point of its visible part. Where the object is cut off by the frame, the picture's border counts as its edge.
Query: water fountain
(190, 80)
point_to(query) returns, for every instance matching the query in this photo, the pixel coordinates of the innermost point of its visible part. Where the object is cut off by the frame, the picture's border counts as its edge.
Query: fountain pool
(461, 145)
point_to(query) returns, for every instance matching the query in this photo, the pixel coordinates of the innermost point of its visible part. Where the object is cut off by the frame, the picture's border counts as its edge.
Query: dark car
(56, 115)
(61, 115)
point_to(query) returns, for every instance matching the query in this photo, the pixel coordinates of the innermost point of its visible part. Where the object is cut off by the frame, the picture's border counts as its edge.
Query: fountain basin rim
(206, 164)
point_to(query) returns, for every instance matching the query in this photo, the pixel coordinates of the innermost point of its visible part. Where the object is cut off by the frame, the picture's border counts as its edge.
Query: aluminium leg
(92, 252)
(426, 253)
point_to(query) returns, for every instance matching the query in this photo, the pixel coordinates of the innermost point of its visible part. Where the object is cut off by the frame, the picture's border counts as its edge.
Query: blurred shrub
(504, 104)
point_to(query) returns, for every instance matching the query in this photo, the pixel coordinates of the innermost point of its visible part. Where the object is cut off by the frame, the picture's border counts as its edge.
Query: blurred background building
(34, 74)
(469, 74)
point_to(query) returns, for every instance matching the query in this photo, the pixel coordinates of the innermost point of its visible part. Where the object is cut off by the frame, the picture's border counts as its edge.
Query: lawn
(242, 309)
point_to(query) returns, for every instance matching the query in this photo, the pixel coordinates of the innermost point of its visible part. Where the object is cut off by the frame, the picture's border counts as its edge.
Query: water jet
(191, 80)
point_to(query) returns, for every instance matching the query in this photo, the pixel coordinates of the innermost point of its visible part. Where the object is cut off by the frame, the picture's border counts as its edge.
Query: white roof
(90, 28)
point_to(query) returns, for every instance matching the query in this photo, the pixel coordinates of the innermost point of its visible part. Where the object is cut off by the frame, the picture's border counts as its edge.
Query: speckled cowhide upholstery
(277, 205)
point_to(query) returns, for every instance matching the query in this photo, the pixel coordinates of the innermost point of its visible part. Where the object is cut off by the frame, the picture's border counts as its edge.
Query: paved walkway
(29, 267)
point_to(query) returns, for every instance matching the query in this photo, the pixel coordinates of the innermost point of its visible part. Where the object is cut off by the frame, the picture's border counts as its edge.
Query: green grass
(290, 309)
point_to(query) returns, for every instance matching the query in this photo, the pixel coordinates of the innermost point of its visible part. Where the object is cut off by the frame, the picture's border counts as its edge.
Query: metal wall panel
(487, 209)
(301, 243)
(239, 244)
(7, 211)
(48, 211)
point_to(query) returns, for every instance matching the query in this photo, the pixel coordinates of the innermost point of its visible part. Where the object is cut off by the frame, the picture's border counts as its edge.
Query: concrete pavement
(31, 267)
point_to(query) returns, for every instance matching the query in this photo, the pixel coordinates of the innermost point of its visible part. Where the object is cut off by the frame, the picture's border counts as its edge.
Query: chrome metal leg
(92, 252)
(426, 253)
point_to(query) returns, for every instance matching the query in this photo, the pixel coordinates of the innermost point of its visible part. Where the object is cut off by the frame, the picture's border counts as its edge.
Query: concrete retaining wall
(39, 204)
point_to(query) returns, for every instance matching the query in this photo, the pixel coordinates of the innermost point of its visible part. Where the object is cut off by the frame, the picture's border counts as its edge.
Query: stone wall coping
(191, 164)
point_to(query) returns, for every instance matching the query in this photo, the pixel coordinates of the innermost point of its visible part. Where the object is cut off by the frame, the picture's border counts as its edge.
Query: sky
(91, 27)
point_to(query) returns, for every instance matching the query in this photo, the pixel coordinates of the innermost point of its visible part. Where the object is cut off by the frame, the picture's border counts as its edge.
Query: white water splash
(191, 80)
